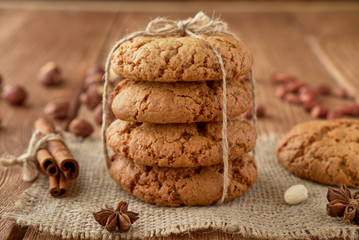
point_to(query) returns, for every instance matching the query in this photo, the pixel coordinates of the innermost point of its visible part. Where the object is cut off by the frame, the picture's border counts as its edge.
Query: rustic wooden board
(278, 41)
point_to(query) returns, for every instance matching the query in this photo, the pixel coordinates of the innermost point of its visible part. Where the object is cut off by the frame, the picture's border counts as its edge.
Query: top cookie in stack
(167, 139)
(180, 58)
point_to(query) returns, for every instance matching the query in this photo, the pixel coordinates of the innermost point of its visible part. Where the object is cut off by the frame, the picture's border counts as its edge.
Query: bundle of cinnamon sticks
(56, 160)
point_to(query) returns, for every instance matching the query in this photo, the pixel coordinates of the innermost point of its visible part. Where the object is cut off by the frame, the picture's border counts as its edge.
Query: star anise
(121, 218)
(342, 203)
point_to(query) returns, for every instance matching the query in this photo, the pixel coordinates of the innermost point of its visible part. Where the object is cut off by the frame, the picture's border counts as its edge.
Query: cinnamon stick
(62, 155)
(58, 185)
(47, 162)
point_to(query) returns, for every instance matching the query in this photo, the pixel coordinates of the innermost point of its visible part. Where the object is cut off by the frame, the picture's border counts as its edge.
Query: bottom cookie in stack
(166, 186)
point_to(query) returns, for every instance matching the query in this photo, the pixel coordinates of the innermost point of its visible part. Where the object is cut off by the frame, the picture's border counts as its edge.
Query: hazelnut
(248, 114)
(50, 74)
(341, 92)
(80, 127)
(57, 109)
(261, 111)
(98, 114)
(245, 77)
(324, 89)
(292, 98)
(1, 83)
(93, 79)
(319, 111)
(349, 109)
(281, 92)
(282, 78)
(334, 114)
(95, 69)
(92, 97)
(14, 94)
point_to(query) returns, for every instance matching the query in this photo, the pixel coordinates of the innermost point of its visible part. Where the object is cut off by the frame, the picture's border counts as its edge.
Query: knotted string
(28, 160)
(200, 24)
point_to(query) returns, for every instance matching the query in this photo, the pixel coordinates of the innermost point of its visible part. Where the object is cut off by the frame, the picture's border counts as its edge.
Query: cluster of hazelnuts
(92, 94)
(50, 75)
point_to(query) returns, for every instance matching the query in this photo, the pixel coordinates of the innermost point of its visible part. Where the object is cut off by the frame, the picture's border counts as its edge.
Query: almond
(296, 194)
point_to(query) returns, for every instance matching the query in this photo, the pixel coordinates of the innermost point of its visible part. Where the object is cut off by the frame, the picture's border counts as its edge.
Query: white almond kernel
(296, 194)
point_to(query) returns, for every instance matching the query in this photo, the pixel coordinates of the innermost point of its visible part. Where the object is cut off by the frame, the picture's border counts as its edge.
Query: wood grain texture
(174, 7)
(77, 39)
(34, 38)
(334, 40)
(32, 234)
(278, 46)
(17, 232)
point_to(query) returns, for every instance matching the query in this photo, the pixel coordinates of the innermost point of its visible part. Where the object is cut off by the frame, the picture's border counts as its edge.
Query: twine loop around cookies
(28, 159)
(197, 26)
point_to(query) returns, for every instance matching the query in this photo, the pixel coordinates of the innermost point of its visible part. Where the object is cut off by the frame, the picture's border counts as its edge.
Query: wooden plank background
(318, 42)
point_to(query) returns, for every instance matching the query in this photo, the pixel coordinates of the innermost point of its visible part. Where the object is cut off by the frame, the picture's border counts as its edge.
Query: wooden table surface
(318, 42)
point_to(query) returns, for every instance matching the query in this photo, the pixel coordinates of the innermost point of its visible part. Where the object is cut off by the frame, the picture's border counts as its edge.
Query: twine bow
(28, 159)
(194, 27)
(200, 24)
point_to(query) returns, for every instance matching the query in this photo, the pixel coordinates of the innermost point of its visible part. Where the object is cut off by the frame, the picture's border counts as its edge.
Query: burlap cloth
(260, 213)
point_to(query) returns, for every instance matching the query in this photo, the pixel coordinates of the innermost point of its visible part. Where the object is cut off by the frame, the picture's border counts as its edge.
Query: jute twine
(200, 24)
(28, 159)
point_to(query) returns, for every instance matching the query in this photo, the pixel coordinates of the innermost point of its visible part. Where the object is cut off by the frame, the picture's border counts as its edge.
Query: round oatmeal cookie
(183, 186)
(179, 145)
(180, 102)
(180, 58)
(325, 151)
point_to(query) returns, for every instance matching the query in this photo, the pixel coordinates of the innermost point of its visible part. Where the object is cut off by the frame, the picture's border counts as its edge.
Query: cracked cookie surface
(176, 58)
(324, 151)
(179, 102)
(183, 186)
(179, 145)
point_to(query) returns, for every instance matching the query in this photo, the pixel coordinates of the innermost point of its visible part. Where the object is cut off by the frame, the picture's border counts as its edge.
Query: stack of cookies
(167, 137)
